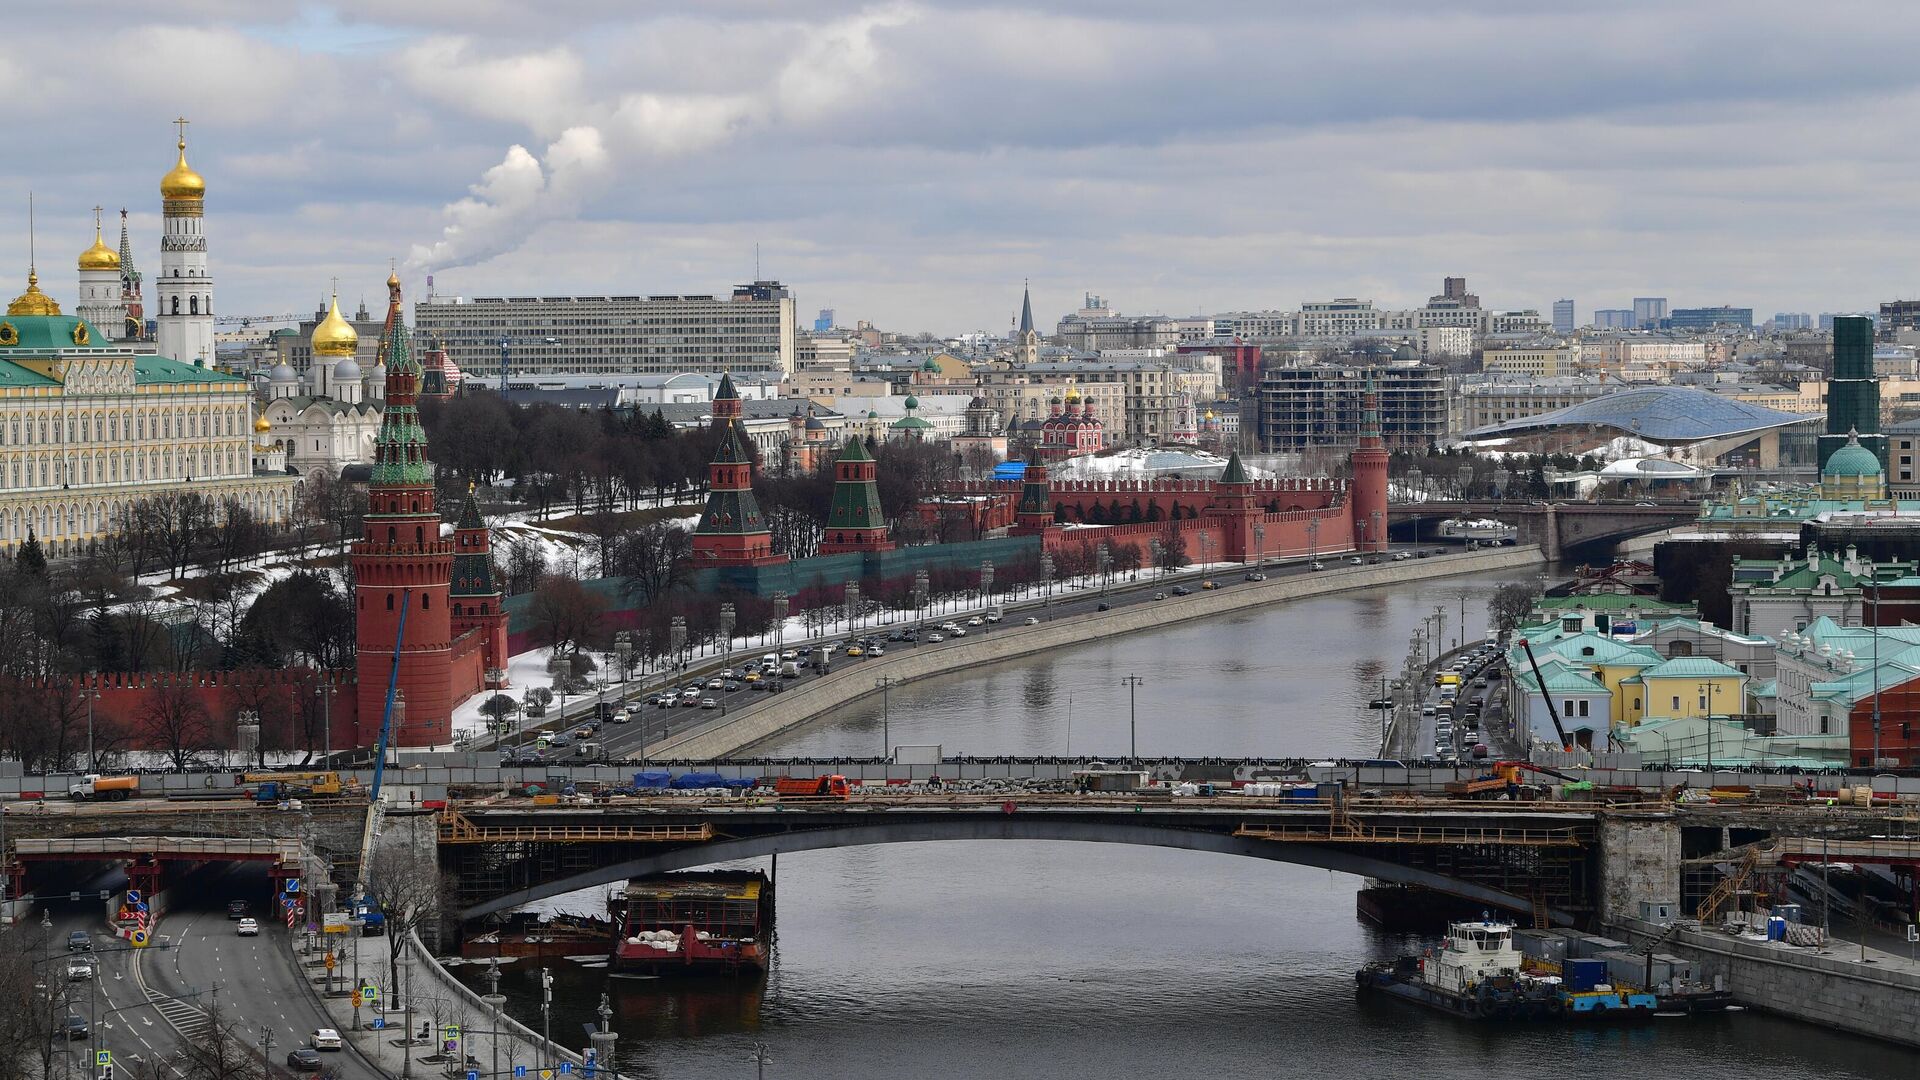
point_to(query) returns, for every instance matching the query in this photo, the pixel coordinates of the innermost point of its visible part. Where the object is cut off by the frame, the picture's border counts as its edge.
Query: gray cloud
(910, 164)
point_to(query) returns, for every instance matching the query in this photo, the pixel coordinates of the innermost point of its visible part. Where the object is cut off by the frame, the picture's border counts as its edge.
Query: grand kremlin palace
(91, 423)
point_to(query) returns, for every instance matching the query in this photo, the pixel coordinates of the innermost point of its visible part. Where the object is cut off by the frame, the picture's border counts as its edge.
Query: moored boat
(1476, 972)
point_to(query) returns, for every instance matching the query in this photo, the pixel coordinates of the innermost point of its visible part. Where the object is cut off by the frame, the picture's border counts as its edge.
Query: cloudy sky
(910, 163)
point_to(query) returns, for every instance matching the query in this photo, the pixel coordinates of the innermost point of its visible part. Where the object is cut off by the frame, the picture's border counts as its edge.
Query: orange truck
(814, 787)
(105, 788)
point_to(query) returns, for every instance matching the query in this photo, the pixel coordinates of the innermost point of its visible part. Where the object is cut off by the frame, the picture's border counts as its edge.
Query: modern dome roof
(1661, 414)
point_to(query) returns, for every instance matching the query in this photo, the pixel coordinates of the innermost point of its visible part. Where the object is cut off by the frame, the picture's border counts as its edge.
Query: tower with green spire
(856, 522)
(475, 595)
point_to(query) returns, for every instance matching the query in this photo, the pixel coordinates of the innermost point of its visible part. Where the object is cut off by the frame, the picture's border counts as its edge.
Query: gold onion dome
(335, 336)
(99, 256)
(261, 424)
(33, 301)
(181, 182)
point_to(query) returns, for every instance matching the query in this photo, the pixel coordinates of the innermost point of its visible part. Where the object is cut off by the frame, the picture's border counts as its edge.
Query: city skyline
(910, 164)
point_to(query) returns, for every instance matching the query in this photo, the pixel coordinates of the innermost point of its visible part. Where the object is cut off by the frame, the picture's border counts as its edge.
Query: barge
(714, 922)
(1477, 973)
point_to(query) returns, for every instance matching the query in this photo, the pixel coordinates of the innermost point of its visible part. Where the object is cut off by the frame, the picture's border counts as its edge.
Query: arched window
(423, 601)
(419, 536)
(176, 300)
(389, 601)
(193, 305)
(393, 537)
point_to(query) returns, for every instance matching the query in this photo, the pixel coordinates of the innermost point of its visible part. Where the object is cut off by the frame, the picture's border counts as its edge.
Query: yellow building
(89, 428)
(1686, 686)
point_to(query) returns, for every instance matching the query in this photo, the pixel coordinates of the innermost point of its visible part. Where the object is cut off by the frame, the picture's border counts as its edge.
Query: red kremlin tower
(476, 597)
(856, 522)
(399, 559)
(1368, 495)
(732, 531)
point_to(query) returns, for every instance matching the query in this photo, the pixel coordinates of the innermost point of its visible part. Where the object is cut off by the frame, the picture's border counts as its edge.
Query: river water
(1000, 959)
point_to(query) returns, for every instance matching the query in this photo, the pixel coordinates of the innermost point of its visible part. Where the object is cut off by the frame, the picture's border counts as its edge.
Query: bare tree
(220, 1052)
(174, 721)
(652, 559)
(566, 614)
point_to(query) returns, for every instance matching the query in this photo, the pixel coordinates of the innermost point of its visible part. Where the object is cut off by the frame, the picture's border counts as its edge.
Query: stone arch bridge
(1556, 527)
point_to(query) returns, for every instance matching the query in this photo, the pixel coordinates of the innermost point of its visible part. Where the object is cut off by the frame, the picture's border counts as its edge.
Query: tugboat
(1477, 973)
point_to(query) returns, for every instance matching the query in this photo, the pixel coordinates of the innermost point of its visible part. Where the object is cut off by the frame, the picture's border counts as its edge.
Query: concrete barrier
(804, 702)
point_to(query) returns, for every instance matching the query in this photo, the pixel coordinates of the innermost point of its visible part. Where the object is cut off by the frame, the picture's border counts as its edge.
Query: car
(584, 732)
(856, 650)
(935, 637)
(78, 970)
(1256, 576)
(79, 941)
(1159, 596)
(976, 621)
(726, 673)
(238, 909)
(1419, 554)
(689, 701)
(875, 650)
(958, 631)
(733, 686)
(624, 716)
(306, 1059)
(664, 701)
(709, 703)
(1182, 590)
(1316, 566)
(1103, 606)
(76, 1027)
(751, 676)
(248, 928)
(715, 683)
(560, 739)
(324, 1039)
(1209, 585)
(993, 616)
(1354, 560)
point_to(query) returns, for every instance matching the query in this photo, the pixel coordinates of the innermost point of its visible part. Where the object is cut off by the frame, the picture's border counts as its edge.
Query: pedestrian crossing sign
(519, 1070)
(103, 1058)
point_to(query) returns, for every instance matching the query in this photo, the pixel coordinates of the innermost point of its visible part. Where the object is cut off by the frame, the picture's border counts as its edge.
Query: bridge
(1529, 857)
(1556, 527)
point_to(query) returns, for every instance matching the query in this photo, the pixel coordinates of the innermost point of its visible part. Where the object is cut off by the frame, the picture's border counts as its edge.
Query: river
(1068, 961)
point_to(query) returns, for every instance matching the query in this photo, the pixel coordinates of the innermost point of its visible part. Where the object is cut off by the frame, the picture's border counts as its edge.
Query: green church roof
(1852, 460)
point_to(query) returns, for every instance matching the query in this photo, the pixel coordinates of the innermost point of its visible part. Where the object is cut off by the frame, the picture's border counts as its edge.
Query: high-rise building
(1827, 317)
(749, 331)
(1323, 405)
(1649, 312)
(1792, 320)
(1853, 394)
(1706, 318)
(185, 288)
(824, 320)
(1613, 319)
(1563, 317)
(1898, 315)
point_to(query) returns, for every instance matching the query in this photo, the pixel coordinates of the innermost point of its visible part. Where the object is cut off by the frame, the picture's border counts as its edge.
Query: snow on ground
(1142, 463)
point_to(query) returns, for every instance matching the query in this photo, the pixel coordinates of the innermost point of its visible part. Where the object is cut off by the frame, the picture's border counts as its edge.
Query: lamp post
(623, 649)
(1313, 540)
(325, 692)
(986, 582)
(1103, 562)
(355, 925)
(1131, 682)
(93, 694)
(546, 1012)
(781, 610)
(885, 682)
(921, 592)
(677, 638)
(1153, 552)
(1046, 574)
(726, 650)
(1259, 547)
(850, 600)
(494, 1000)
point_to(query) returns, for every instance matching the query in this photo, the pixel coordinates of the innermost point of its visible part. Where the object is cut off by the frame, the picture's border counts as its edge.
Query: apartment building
(1540, 361)
(1320, 405)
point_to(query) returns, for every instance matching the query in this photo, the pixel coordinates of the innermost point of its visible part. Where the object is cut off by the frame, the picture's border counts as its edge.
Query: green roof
(12, 374)
(152, 369)
(855, 450)
(49, 333)
(1561, 679)
(1235, 473)
(1692, 667)
(1609, 602)
(1590, 648)
(912, 422)
(1852, 460)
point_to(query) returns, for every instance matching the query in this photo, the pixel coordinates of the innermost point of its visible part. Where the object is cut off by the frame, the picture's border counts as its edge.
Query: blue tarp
(700, 780)
(1010, 470)
(652, 779)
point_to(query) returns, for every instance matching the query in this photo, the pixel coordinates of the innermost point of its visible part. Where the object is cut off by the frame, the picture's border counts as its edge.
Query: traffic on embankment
(1088, 619)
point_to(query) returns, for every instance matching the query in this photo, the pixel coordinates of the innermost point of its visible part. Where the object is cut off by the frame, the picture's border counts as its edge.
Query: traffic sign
(379, 1022)
(566, 1066)
(356, 999)
(139, 938)
(103, 1057)
(519, 1070)
(329, 961)
(546, 1074)
(133, 896)
(451, 1031)
(293, 885)
(371, 993)
(473, 1074)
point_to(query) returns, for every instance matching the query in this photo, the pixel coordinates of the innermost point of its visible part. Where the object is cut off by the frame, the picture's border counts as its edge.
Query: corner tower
(400, 561)
(184, 291)
(475, 596)
(1367, 494)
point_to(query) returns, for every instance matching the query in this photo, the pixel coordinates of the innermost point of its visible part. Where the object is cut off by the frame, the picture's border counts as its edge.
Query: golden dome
(99, 256)
(335, 336)
(393, 279)
(181, 182)
(33, 301)
(1073, 394)
(262, 425)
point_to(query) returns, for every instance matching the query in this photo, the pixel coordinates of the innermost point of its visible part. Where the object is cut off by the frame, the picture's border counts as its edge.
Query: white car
(935, 637)
(324, 1039)
(247, 928)
(976, 621)
(1033, 620)
(993, 616)
(79, 969)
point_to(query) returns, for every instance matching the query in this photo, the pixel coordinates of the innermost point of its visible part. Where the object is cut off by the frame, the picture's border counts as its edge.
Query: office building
(1792, 320)
(750, 331)
(1321, 406)
(1613, 318)
(1707, 318)
(1338, 318)
(1899, 315)
(1453, 293)
(1563, 317)
(1649, 312)
(823, 321)
(1539, 361)
(1853, 394)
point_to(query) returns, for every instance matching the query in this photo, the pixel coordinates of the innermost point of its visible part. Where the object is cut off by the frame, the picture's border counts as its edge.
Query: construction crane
(372, 828)
(506, 344)
(1565, 743)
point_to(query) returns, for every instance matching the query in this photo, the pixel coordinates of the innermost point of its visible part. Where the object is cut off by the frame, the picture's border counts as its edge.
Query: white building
(751, 331)
(184, 291)
(1338, 318)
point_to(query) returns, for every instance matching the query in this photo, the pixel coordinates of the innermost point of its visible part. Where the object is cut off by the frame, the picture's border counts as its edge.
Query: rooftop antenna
(31, 260)
(756, 260)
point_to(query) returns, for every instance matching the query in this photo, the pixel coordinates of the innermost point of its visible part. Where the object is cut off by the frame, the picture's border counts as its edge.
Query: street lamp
(1259, 546)
(986, 582)
(885, 682)
(1313, 539)
(92, 693)
(781, 610)
(623, 649)
(1046, 575)
(1103, 561)
(1153, 552)
(1131, 682)
(726, 650)
(677, 636)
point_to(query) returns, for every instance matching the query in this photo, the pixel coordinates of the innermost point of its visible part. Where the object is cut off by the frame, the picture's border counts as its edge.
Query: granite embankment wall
(1831, 988)
(815, 697)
